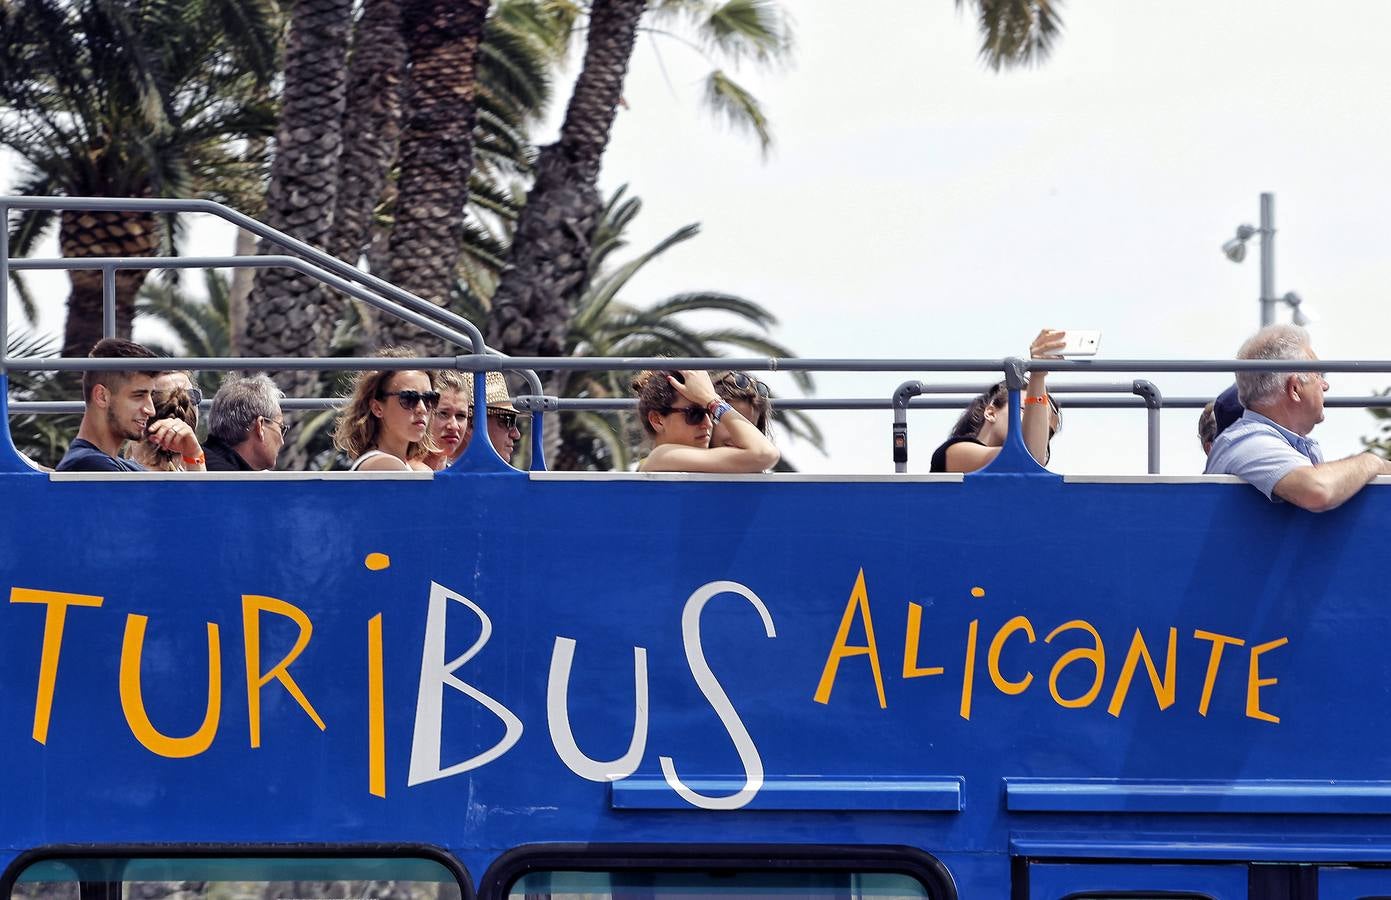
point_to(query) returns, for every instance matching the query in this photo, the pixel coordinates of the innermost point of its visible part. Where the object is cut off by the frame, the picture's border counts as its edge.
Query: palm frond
(738, 108)
(1016, 32)
(757, 30)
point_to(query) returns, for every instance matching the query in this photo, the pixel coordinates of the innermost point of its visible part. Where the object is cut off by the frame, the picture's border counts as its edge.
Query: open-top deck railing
(455, 329)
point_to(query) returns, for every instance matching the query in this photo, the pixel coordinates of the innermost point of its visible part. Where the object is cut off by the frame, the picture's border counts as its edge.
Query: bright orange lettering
(910, 646)
(859, 600)
(1163, 690)
(1254, 681)
(251, 609)
(54, 619)
(1005, 686)
(1219, 641)
(1096, 655)
(133, 703)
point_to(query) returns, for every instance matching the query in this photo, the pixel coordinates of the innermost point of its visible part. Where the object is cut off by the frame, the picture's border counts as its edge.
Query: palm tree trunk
(436, 153)
(283, 317)
(550, 252)
(87, 234)
(372, 119)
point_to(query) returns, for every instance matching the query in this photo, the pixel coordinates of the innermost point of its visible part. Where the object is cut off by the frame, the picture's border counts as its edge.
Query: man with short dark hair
(246, 428)
(119, 407)
(1269, 445)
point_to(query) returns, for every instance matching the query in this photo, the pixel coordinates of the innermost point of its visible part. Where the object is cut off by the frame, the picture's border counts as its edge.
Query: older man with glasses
(246, 428)
(1270, 447)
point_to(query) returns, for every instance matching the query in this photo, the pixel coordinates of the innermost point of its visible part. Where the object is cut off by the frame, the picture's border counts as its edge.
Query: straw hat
(498, 398)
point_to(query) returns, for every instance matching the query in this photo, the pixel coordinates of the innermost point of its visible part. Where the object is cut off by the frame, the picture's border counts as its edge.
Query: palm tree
(436, 150)
(512, 90)
(376, 75)
(604, 324)
(127, 98)
(550, 254)
(540, 288)
(43, 438)
(201, 325)
(538, 292)
(283, 318)
(1016, 32)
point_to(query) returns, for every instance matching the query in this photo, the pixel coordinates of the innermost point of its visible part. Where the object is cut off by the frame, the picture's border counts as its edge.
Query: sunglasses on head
(741, 382)
(694, 414)
(505, 419)
(409, 399)
(194, 394)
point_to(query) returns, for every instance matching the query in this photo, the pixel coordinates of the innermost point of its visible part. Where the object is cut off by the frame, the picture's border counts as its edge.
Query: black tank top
(939, 456)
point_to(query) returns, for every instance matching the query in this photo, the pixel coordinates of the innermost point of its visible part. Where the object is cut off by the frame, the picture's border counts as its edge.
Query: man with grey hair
(1269, 445)
(246, 428)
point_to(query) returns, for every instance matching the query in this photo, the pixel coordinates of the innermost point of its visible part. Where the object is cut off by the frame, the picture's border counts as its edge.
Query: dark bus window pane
(716, 885)
(236, 878)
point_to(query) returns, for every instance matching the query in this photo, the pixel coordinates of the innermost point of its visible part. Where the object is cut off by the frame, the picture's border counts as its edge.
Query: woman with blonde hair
(385, 425)
(451, 424)
(683, 415)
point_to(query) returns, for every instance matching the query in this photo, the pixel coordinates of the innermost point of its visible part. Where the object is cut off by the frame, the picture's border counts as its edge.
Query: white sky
(919, 205)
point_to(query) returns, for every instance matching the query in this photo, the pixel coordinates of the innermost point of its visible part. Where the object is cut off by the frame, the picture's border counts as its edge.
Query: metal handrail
(330, 270)
(456, 329)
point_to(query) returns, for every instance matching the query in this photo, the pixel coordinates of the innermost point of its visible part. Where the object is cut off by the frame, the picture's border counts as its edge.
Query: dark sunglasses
(408, 399)
(505, 419)
(694, 414)
(194, 394)
(741, 382)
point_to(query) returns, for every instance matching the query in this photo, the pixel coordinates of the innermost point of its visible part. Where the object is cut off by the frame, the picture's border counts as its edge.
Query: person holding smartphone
(681, 412)
(980, 432)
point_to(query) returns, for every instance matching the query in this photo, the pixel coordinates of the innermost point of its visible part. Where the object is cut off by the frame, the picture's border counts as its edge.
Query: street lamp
(1235, 250)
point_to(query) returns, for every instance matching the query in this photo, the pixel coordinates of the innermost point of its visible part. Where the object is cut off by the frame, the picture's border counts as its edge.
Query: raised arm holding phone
(980, 432)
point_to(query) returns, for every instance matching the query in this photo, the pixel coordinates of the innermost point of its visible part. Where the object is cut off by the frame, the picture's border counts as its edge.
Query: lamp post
(1235, 249)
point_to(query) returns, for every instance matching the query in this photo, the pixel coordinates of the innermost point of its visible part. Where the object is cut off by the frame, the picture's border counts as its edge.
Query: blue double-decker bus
(494, 683)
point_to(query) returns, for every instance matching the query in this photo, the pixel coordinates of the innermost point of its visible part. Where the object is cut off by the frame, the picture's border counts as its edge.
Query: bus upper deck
(494, 683)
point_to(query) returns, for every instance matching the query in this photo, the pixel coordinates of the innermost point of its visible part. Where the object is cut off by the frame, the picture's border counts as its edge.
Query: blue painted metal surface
(985, 597)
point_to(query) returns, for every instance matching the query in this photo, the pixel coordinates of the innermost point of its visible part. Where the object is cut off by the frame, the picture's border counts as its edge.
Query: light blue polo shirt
(1261, 452)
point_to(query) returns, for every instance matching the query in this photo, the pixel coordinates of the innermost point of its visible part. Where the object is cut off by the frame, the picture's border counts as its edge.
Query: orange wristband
(198, 460)
(1039, 400)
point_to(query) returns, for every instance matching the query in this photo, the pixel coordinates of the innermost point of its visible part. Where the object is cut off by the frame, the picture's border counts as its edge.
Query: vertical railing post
(1154, 404)
(902, 394)
(4, 284)
(108, 301)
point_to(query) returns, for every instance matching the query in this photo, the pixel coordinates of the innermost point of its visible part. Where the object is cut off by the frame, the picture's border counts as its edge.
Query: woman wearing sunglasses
(749, 396)
(980, 432)
(385, 425)
(683, 415)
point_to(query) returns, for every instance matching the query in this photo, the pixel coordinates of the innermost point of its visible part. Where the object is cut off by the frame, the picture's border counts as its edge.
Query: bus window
(721, 885)
(1139, 881)
(1163, 896)
(238, 878)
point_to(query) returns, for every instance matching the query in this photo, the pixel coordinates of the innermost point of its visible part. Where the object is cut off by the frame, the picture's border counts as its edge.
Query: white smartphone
(1080, 343)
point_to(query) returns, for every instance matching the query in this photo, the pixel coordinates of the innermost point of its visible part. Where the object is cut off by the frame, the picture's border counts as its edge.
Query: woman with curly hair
(169, 404)
(385, 425)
